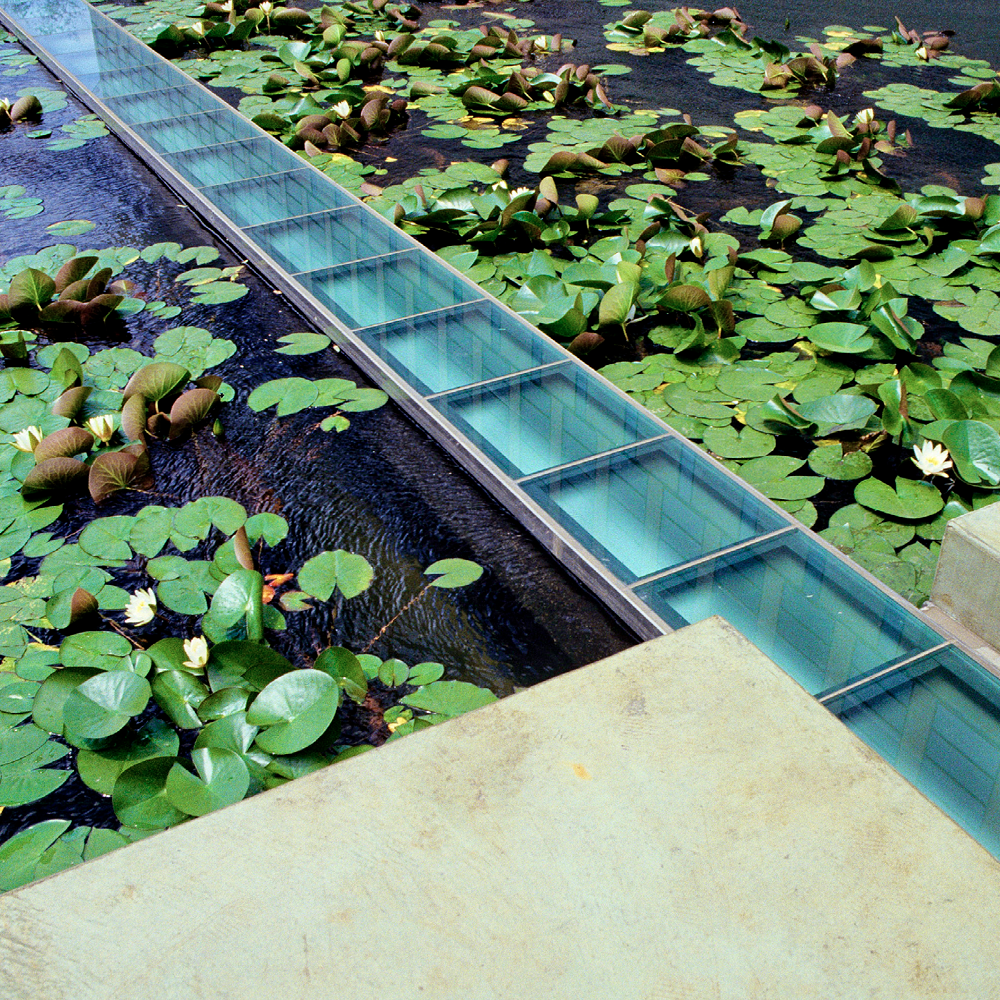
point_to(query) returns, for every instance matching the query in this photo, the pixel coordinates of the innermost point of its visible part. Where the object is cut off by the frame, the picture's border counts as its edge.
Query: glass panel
(42, 17)
(231, 161)
(190, 131)
(159, 104)
(645, 510)
(457, 347)
(387, 288)
(63, 42)
(937, 721)
(534, 422)
(318, 241)
(117, 82)
(808, 611)
(277, 196)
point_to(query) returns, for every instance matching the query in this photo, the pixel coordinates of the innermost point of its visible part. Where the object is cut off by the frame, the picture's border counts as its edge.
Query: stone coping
(680, 820)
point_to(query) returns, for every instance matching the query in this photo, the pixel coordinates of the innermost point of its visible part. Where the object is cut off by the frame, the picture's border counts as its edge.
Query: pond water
(381, 488)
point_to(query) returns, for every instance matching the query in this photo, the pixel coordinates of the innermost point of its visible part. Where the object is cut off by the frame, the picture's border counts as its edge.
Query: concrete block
(677, 822)
(967, 582)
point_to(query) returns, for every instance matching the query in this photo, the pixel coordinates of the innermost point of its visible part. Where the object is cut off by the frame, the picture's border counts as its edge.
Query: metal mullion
(891, 668)
(556, 469)
(349, 263)
(295, 218)
(442, 310)
(718, 554)
(497, 378)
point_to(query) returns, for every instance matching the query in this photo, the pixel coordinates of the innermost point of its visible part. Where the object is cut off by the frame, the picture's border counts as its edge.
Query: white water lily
(865, 117)
(196, 651)
(266, 7)
(341, 109)
(931, 459)
(517, 192)
(141, 607)
(102, 427)
(27, 440)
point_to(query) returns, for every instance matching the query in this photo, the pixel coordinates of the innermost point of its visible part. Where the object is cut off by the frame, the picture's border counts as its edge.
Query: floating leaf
(296, 709)
(190, 409)
(454, 572)
(64, 443)
(102, 705)
(140, 795)
(100, 769)
(449, 698)
(345, 571)
(111, 472)
(54, 475)
(910, 499)
(222, 779)
(157, 380)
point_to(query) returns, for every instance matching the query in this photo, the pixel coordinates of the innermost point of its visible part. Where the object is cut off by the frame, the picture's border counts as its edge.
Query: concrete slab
(967, 581)
(678, 821)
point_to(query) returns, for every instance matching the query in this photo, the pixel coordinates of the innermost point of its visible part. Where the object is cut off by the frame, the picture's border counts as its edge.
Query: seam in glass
(824, 697)
(497, 378)
(593, 458)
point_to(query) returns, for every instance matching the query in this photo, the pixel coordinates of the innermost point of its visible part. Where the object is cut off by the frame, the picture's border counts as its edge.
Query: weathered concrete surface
(677, 822)
(967, 581)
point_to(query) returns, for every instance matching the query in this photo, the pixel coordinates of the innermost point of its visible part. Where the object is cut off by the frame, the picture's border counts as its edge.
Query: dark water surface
(382, 488)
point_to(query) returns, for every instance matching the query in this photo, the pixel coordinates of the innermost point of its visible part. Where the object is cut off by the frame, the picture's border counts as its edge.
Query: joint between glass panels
(455, 309)
(591, 458)
(336, 210)
(498, 378)
(350, 263)
(749, 543)
(824, 697)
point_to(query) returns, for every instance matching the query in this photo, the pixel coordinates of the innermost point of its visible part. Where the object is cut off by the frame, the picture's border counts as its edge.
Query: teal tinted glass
(937, 721)
(191, 131)
(173, 102)
(313, 242)
(231, 161)
(534, 422)
(808, 611)
(121, 82)
(455, 347)
(652, 507)
(387, 288)
(50, 17)
(277, 196)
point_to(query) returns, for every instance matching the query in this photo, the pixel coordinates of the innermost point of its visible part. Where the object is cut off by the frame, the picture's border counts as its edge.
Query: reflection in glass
(191, 131)
(937, 721)
(174, 102)
(387, 288)
(455, 347)
(276, 196)
(645, 510)
(534, 422)
(119, 83)
(812, 614)
(231, 161)
(313, 242)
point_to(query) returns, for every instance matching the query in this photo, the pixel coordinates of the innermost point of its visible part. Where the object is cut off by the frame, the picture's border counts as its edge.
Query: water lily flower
(27, 440)
(102, 427)
(342, 109)
(141, 607)
(198, 28)
(517, 192)
(196, 651)
(865, 117)
(931, 459)
(266, 7)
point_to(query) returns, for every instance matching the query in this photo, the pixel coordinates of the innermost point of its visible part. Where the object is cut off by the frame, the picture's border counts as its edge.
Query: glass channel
(533, 422)
(207, 166)
(456, 347)
(111, 83)
(647, 509)
(272, 197)
(174, 135)
(158, 105)
(816, 617)
(937, 722)
(387, 288)
(313, 242)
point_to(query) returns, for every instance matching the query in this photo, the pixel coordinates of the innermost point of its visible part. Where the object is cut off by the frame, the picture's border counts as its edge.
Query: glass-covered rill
(232, 161)
(816, 617)
(937, 721)
(109, 83)
(312, 242)
(174, 134)
(455, 347)
(387, 288)
(272, 197)
(530, 423)
(157, 105)
(647, 509)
